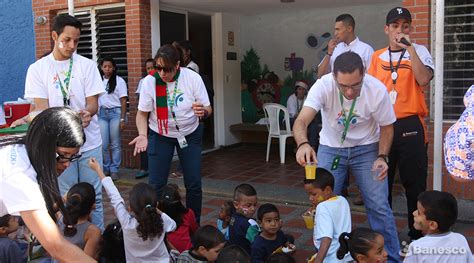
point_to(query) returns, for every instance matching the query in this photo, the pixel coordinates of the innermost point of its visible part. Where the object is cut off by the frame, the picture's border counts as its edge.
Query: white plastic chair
(272, 112)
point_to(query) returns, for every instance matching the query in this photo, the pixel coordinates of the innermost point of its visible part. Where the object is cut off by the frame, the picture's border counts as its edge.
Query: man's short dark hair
(280, 258)
(347, 19)
(265, 209)
(5, 220)
(207, 236)
(440, 207)
(323, 179)
(348, 62)
(233, 254)
(63, 20)
(244, 189)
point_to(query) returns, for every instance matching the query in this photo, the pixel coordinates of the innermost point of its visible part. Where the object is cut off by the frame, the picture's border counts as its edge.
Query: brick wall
(138, 31)
(421, 34)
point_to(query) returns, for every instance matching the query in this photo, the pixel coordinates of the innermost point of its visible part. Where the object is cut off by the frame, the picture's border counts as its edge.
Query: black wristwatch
(383, 157)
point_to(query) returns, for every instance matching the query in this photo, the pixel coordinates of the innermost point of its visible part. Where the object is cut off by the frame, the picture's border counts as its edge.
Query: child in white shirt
(436, 214)
(143, 225)
(332, 217)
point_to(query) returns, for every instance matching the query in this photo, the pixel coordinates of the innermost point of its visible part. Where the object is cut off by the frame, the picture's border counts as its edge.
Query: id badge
(182, 142)
(335, 163)
(393, 96)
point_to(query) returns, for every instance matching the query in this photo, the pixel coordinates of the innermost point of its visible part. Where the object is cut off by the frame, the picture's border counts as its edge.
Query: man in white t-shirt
(64, 78)
(344, 40)
(357, 132)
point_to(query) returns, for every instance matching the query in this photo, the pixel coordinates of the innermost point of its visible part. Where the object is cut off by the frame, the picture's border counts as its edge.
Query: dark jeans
(313, 130)
(160, 155)
(144, 161)
(409, 153)
(144, 158)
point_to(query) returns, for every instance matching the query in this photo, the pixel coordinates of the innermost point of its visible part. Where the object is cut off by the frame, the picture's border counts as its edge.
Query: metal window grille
(103, 34)
(458, 55)
(110, 32)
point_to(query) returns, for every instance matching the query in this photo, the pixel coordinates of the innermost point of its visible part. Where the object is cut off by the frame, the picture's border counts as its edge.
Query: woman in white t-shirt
(175, 98)
(113, 107)
(28, 177)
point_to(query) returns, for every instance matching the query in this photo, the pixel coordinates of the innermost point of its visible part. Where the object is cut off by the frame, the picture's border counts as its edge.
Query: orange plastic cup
(308, 218)
(310, 170)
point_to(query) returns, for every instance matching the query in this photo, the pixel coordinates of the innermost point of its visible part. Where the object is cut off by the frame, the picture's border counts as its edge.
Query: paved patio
(280, 184)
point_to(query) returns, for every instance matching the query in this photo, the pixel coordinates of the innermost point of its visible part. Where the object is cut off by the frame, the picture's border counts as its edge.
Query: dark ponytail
(359, 242)
(79, 203)
(343, 245)
(112, 84)
(170, 203)
(143, 203)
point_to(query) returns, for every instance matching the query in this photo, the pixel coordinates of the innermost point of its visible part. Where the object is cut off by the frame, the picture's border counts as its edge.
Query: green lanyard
(347, 122)
(347, 119)
(171, 101)
(65, 88)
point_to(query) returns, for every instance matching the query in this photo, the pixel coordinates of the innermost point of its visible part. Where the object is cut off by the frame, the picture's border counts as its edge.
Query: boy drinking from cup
(332, 217)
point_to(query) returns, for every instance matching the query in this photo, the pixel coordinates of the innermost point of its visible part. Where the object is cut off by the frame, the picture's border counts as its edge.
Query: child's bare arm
(94, 165)
(323, 249)
(92, 239)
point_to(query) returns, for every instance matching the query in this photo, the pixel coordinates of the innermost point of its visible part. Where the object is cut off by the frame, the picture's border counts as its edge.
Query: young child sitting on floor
(233, 254)
(170, 203)
(207, 243)
(224, 218)
(9, 249)
(80, 202)
(242, 227)
(112, 247)
(332, 218)
(280, 258)
(436, 214)
(271, 239)
(143, 224)
(364, 244)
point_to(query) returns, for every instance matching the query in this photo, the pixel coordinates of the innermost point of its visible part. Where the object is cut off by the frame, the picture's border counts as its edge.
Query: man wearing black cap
(406, 69)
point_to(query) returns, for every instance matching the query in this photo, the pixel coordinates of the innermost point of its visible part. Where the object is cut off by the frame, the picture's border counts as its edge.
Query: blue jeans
(109, 121)
(359, 160)
(160, 155)
(79, 171)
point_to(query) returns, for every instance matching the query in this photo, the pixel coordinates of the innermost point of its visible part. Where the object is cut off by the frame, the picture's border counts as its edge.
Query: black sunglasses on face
(165, 69)
(63, 159)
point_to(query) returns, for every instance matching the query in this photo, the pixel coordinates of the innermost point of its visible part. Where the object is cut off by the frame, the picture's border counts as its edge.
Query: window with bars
(458, 55)
(103, 34)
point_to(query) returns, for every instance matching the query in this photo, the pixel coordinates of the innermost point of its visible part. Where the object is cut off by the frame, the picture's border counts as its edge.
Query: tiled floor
(246, 163)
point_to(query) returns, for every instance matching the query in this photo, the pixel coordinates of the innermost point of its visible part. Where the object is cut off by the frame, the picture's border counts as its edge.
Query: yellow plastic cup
(308, 218)
(310, 170)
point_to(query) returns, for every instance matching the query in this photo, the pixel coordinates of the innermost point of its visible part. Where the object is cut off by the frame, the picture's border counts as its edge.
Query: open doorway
(197, 29)
(200, 36)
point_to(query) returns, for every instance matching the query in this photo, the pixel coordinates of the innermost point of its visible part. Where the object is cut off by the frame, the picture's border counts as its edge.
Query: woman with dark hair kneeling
(175, 98)
(28, 177)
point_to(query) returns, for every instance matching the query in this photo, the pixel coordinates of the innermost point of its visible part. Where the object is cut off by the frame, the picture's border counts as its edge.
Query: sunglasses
(63, 159)
(165, 69)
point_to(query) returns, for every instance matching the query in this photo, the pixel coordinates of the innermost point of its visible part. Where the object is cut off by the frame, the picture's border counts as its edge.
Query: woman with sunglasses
(175, 98)
(28, 177)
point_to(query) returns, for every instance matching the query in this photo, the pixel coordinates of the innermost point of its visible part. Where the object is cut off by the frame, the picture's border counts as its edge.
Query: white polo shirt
(364, 50)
